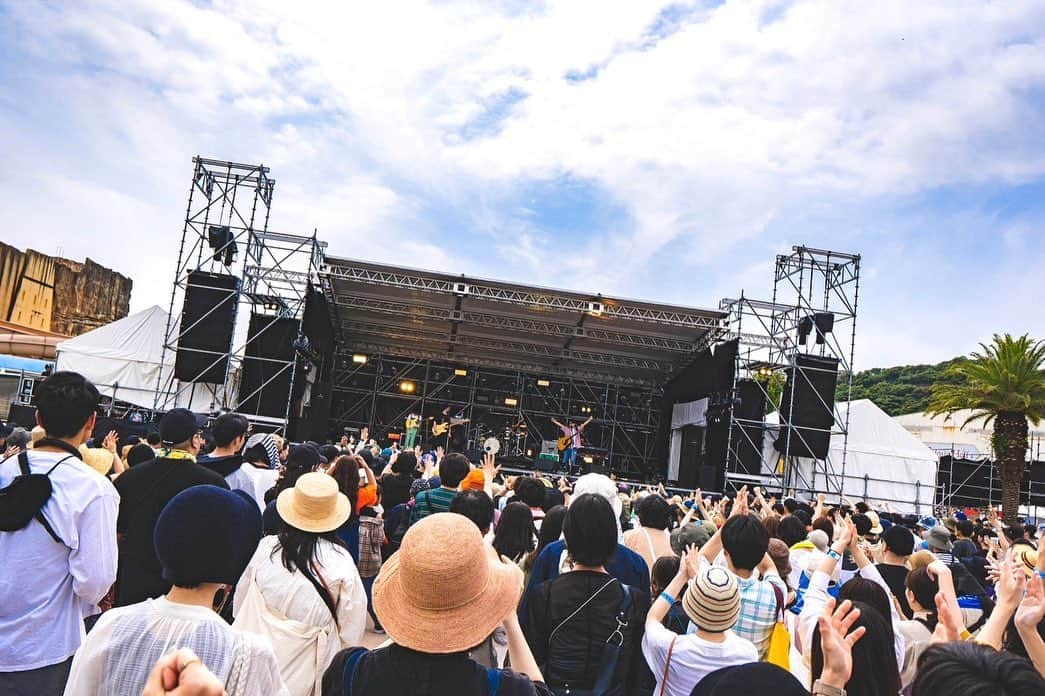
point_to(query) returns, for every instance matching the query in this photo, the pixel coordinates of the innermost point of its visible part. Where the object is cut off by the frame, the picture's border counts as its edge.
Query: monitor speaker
(208, 316)
(268, 366)
(696, 468)
(807, 407)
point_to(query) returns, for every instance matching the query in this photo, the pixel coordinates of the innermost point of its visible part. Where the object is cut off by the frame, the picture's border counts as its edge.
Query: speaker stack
(205, 333)
(807, 407)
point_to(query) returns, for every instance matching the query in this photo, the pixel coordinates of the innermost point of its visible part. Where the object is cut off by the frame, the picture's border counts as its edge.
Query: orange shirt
(367, 497)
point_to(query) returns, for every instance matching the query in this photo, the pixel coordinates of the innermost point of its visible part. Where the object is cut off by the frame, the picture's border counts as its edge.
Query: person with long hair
(551, 530)
(514, 535)
(301, 589)
(362, 535)
(875, 672)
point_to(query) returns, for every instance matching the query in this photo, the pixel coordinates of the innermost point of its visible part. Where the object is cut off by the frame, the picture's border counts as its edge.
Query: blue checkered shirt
(758, 610)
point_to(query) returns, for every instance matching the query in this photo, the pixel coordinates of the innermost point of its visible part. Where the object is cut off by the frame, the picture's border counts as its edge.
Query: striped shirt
(430, 502)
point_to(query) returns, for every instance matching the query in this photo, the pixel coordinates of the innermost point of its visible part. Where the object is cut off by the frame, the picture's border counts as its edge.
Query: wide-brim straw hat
(97, 458)
(445, 591)
(314, 504)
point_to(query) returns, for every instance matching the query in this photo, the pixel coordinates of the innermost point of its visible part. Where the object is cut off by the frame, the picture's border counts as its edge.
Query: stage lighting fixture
(588, 459)
(461, 373)
(221, 240)
(407, 387)
(511, 401)
(359, 359)
(543, 383)
(805, 327)
(529, 453)
(595, 309)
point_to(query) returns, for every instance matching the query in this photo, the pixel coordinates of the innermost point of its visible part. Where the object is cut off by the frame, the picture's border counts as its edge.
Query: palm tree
(1004, 383)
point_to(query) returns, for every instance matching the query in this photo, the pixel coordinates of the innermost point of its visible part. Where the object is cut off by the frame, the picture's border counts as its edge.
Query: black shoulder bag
(610, 650)
(23, 500)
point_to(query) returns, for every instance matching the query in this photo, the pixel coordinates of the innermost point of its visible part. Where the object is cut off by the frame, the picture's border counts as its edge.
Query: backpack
(23, 500)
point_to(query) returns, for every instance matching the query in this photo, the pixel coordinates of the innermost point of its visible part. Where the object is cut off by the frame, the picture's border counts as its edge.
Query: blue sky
(661, 150)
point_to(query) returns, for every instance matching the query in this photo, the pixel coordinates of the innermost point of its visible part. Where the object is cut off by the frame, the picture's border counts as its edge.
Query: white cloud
(706, 132)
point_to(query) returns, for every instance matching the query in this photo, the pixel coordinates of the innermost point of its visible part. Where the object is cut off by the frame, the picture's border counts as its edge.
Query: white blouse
(301, 628)
(123, 647)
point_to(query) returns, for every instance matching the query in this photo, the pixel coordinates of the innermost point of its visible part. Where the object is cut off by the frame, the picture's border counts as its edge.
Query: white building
(945, 434)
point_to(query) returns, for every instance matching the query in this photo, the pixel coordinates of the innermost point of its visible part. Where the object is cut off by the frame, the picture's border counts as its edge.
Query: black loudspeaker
(748, 434)
(205, 333)
(807, 406)
(268, 366)
(22, 416)
(696, 469)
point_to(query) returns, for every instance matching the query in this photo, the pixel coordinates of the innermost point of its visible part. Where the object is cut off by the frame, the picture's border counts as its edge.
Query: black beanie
(207, 534)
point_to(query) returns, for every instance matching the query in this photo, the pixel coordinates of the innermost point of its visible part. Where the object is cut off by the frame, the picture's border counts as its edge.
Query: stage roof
(412, 313)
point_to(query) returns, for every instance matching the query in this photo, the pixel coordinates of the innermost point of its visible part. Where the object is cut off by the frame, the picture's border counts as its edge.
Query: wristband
(1041, 574)
(834, 554)
(667, 598)
(825, 690)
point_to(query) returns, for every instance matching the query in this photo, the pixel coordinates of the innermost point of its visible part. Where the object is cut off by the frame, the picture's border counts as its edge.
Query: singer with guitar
(570, 441)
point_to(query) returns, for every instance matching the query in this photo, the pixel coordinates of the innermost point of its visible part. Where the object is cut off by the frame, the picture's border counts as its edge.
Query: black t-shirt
(395, 489)
(399, 670)
(222, 465)
(894, 577)
(144, 491)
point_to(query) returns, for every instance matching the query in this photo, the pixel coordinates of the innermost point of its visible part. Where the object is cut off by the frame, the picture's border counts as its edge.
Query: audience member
(962, 668)
(60, 562)
(515, 535)
(531, 491)
(572, 617)
(204, 538)
(898, 544)
(395, 485)
(663, 572)
(550, 531)
(452, 471)
(431, 631)
(712, 602)
(476, 506)
(230, 433)
(651, 538)
(763, 596)
(144, 491)
(301, 589)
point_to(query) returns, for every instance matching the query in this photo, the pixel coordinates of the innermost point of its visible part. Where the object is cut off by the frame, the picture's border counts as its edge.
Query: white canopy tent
(883, 461)
(124, 358)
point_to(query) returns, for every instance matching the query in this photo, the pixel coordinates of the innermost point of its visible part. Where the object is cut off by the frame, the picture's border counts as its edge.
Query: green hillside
(897, 390)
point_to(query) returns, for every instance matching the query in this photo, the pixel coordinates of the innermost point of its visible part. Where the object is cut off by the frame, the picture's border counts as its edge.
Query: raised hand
(690, 564)
(837, 641)
(1032, 609)
(109, 442)
(490, 468)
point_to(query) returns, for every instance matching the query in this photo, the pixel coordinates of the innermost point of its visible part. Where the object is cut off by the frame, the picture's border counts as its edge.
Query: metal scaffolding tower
(231, 202)
(772, 335)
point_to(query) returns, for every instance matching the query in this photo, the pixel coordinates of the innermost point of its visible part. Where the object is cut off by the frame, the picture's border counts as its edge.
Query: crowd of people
(221, 561)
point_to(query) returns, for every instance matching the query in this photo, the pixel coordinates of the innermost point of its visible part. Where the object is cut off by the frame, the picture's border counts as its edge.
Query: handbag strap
(23, 465)
(667, 662)
(576, 611)
(779, 614)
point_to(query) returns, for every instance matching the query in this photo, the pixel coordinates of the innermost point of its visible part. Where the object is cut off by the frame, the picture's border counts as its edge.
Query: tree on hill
(903, 389)
(1003, 382)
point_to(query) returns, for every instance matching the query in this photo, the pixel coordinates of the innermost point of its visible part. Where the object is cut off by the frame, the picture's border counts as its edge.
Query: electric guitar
(442, 428)
(412, 421)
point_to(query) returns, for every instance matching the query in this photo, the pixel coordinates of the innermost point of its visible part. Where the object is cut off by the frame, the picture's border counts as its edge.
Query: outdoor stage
(280, 328)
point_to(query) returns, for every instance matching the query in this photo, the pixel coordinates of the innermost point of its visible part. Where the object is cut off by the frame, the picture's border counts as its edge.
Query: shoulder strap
(493, 681)
(23, 464)
(588, 601)
(779, 615)
(349, 672)
(667, 662)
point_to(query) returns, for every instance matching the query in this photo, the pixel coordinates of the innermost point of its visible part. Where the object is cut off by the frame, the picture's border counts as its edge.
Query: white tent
(123, 359)
(883, 461)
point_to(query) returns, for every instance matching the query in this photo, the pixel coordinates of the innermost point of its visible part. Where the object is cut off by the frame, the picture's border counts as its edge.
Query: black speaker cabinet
(205, 334)
(268, 366)
(807, 407)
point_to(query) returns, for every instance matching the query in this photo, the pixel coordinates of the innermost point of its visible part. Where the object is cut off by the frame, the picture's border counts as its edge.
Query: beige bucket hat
(475, 590)
(314, 504)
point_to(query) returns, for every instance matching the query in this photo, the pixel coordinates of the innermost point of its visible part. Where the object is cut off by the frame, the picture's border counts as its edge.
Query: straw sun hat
(314, 504)
(444, 591)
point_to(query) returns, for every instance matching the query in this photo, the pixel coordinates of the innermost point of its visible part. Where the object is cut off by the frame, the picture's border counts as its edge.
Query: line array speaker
(268, 366)
(807, 406)
(208, 316)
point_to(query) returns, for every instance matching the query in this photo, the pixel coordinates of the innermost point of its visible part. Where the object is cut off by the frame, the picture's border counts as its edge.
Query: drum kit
(507, 442)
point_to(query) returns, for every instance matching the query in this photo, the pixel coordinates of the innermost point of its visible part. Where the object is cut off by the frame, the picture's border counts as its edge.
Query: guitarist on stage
(570, 441)
(449, 426)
